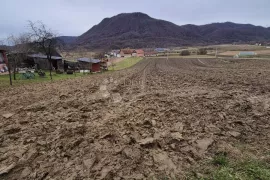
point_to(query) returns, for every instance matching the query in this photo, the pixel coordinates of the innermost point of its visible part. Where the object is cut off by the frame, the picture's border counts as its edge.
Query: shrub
(220, 159)
(202, 51)
(185, 53)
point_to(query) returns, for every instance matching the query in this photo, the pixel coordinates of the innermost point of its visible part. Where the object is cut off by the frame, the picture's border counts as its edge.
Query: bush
(185, 53)
(202, 51)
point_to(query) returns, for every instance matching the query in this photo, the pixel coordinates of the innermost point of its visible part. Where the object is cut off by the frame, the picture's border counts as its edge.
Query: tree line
(201, 51)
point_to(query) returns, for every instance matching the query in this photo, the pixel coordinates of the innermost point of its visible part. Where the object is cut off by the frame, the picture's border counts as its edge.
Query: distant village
(91, 63)
(136, 52)
(66, 63)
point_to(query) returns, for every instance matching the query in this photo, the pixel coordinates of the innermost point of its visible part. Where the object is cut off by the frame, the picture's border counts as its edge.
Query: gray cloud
(74, 17)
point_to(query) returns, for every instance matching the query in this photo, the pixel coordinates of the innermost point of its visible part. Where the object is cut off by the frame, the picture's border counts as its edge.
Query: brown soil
(159, 118)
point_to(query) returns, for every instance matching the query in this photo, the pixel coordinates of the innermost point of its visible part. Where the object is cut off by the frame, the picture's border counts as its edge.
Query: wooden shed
(89, 64)
(41, 61)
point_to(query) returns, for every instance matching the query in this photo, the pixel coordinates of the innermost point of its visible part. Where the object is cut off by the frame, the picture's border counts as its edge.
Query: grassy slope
(128, 62)
(4, 79)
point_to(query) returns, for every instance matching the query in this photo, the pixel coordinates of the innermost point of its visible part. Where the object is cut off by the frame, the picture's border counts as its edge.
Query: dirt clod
(6, 169)
(147, 141)
(8, 115)
(234, 133)
(203, 144)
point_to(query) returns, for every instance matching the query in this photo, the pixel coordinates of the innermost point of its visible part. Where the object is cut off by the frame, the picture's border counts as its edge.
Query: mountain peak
(134, 14)
(139, 30)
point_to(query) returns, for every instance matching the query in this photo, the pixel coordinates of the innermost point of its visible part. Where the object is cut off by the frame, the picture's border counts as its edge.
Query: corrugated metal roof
(246, 53)
(84, 59)
(127, 51)
(161, 49)
(42, 56)
(95, 60)
(88, 60)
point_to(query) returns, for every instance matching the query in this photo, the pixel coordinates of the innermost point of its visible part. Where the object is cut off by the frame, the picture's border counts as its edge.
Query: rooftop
(42, 56)
(127, 51)
(88, 60)
(139, 51)
(246, 53)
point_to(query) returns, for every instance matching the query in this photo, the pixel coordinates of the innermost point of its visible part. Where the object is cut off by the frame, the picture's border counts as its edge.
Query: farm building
(161, 50)
(3, 61)
(127, 52)
(150, 53)
(70, 65)
(41, 61)
(92, 64)
(245, 54)
(115, 53)
(134, 54)
(140, 53)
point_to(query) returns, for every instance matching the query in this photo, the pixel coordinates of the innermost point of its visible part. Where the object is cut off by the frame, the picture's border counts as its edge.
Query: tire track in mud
(143, 79)
(144, 75)
(136, 79)
(201, 62)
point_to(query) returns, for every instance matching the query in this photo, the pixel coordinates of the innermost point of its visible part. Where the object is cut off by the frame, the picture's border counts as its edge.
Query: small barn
(127, 52)
(150, 53)
(139, 53)
(41, 61)
(245, 54)
(115, 53)
(161, 50)
(95, 65)
(89, 64)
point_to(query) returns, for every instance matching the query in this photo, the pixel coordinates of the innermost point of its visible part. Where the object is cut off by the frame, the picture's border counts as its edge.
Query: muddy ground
(159, 118)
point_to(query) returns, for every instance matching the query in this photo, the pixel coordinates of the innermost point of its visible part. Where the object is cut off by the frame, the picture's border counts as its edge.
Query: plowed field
(159, 118)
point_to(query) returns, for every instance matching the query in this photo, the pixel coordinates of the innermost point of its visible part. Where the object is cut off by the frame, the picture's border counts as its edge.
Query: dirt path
(158, 118)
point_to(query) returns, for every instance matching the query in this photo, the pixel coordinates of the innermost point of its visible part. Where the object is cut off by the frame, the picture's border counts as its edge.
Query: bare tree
(202, 51)
(19, 51)
(100, 55)
(1, 42)
(44, 40)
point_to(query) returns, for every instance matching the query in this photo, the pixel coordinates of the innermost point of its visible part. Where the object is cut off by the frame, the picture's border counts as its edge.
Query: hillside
(67, 39)
(141, 30)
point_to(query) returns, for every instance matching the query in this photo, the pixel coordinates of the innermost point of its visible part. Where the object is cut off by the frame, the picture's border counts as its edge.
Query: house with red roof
(127, 52)
(150, 53)
(139, 53)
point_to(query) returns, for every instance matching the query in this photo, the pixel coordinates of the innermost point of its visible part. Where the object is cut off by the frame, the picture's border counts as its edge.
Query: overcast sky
(74, 17)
